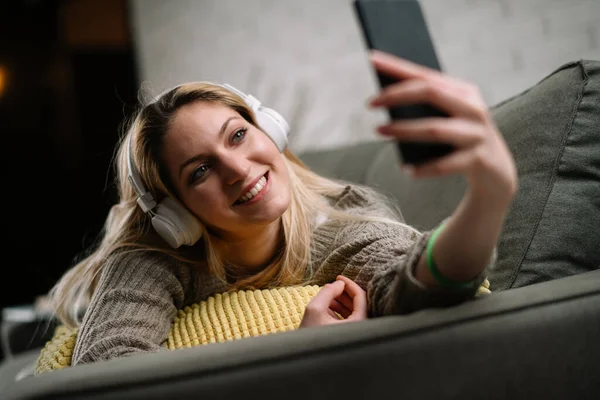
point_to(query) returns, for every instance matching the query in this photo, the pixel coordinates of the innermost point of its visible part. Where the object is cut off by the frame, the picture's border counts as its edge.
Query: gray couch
(536, 336)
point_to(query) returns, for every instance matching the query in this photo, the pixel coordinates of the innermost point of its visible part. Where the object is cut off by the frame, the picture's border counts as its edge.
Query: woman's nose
(235, 169)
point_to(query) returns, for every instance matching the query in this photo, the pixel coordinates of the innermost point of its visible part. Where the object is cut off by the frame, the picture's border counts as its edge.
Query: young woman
(210, 201)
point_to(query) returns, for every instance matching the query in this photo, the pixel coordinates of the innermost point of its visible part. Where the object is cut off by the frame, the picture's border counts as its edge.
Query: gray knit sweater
(139, 293)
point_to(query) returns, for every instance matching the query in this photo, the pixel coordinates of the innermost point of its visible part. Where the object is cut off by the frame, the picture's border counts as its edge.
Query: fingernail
(384, 130)
(374, 53)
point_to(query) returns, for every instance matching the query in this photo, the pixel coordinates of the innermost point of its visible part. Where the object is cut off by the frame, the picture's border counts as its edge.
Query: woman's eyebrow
(198, 156)
(224, 126)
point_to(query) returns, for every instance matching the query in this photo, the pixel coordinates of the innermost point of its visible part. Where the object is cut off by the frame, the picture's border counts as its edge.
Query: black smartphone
(399, 27)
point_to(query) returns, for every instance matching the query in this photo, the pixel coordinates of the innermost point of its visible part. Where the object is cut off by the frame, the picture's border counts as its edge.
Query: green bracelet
(437, 275)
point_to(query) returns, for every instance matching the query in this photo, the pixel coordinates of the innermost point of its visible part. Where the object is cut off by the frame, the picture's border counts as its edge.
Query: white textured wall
(306, 58)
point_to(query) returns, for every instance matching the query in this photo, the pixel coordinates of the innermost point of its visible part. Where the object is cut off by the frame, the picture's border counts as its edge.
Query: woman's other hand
(341, 298)
(481, 153)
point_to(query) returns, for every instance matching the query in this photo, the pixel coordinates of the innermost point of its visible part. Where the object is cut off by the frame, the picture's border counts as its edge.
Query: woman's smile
(256, 193)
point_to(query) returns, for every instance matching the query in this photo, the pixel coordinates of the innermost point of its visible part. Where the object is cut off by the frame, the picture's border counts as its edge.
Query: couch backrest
(423, 203)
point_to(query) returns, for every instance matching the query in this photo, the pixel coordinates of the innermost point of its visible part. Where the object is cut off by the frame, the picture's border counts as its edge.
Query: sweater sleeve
(393, 288)
(382, 259)
(132, 308)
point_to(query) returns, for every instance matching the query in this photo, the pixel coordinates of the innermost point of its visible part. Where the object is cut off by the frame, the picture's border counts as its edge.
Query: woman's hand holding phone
(481, 153)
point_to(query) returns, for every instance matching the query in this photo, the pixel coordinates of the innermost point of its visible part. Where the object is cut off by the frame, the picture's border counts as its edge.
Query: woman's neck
(251, 252)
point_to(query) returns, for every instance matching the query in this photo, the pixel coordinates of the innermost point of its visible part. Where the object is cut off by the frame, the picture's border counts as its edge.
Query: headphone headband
(145, 199)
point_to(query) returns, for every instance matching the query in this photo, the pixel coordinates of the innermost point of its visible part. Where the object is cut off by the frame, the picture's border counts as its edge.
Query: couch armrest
(533, 342)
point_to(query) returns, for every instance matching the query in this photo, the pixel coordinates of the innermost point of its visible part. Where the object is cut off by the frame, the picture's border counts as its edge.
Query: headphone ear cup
(165, 228)
(274, 125)
(176, 224)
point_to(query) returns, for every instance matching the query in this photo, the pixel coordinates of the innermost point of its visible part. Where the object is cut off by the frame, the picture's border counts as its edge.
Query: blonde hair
(127, 227)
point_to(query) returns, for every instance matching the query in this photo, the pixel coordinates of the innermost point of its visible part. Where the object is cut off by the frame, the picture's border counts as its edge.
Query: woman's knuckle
(432, 91)
(439, 168)
(435, 132)
(480, 159)
(310, 308)
(480, 113)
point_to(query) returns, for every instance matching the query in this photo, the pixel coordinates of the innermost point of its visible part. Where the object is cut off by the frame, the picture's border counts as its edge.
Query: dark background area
(68, 79)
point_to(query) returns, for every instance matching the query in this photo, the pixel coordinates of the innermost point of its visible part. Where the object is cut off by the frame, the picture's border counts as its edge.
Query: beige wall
(306, 58)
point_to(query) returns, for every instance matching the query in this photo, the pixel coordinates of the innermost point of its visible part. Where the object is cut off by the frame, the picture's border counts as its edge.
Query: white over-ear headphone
(173, 221)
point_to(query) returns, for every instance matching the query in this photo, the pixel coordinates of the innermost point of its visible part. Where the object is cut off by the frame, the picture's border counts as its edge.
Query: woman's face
(227, 171)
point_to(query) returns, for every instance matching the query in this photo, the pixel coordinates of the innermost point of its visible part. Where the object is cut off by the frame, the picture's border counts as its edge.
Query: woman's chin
(271, 211)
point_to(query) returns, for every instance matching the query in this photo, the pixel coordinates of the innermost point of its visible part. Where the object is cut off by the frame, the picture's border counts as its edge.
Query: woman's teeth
(254, 191)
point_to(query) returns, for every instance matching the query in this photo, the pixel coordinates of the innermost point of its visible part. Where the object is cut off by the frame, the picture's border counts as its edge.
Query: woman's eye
(239, 135)
(199, 173)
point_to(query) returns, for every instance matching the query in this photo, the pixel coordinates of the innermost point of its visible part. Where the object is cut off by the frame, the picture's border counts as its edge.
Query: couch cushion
(424, 203)
(349, 163)
(553, 130)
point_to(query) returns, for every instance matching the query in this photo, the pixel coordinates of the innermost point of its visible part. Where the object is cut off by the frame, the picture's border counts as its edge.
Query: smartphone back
(398, 27)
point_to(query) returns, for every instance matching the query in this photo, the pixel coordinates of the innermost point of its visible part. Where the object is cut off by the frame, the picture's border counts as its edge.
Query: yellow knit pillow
(222, 317)
(240, 314)
(57, 352)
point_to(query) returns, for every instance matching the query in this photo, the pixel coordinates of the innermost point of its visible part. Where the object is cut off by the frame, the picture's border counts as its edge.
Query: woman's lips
(259, 195)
